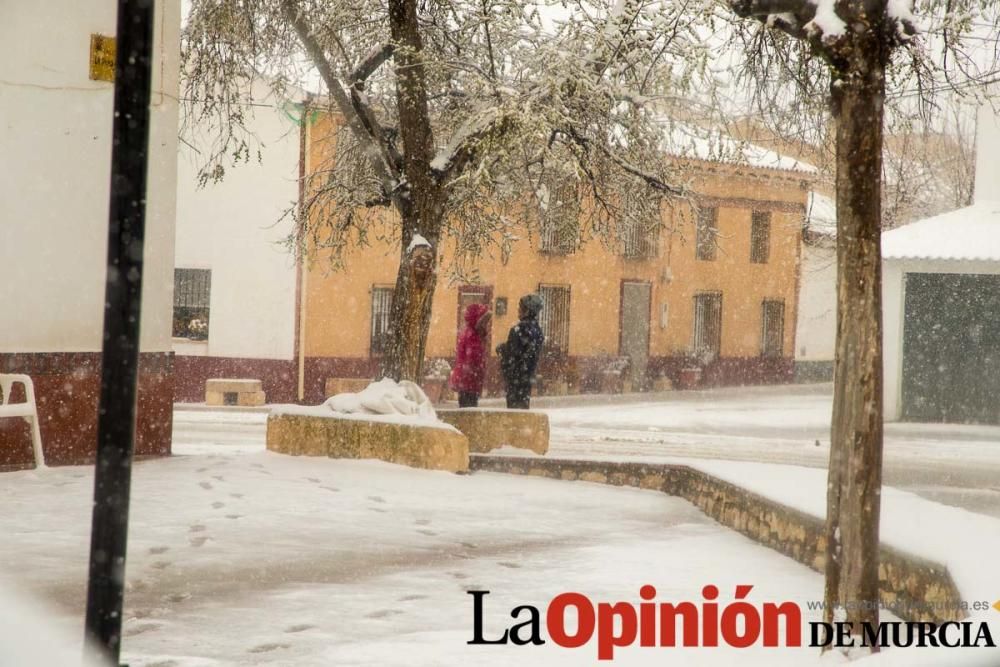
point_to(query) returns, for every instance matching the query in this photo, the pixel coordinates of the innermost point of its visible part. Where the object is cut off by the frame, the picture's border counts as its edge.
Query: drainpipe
(300, 322)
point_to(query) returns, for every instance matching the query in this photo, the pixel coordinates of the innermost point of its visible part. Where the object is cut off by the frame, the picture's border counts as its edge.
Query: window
(706, 233)
(639, 227)
(772, 327)
(707, 324)
(554, 318)
(760, 237)
(560, 219)
(192, 288)
(381, 307)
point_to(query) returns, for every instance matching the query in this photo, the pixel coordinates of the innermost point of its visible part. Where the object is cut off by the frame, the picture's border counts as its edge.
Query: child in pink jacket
(470, 356)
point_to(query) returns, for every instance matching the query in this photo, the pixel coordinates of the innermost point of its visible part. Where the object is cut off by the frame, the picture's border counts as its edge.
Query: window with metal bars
(192, 297)
(772, 327)
(639, 227)
(554, 318)
(706, 234)
(760, 237)
(381, 308)
(707, 325)
(560, 219)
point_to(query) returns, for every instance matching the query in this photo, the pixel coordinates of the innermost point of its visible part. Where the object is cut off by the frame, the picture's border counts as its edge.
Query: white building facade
(55, 143)
(941, 301)
(235, 279)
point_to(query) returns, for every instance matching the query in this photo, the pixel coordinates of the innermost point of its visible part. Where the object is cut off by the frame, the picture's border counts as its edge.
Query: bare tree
(856, 47)
(453, 113)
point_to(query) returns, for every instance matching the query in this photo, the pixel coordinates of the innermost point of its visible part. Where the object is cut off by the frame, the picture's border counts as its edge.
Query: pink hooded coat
(470, 354)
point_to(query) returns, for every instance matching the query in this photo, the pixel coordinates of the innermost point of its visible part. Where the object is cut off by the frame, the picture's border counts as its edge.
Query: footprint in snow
(218, 505)
(205, 485)
(234, 516)
(201, 469)
(158, 550)
(383, 613)
(468, 545)
(377, 499)
(164, 663)
(161, 564)
(235, 495)
(410, 598)
(513, 566)
(198, 541)
(177, 597)
(422, 522)
(459, 575)
(196, 528)
(313, 480)
(424, 531)
(264, 648)
(302, 627)
(140, 628)
(219, 477)
(330, 488)
(377, 509)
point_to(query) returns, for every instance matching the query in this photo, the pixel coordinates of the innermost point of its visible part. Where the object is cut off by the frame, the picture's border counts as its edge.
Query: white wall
(55, 166)
(232, 228)
(816, 328)
(987, 147)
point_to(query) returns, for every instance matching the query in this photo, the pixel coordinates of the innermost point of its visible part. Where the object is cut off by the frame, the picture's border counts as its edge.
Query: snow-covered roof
(821, 215)
(712, 145)
(970, 233)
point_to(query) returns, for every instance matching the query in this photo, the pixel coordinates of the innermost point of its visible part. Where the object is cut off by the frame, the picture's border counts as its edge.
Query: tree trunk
(420, 204)
(409, 319)
(855, 474)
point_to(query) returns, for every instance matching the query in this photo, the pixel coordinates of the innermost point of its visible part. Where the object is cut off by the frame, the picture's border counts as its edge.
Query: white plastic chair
(27, 410)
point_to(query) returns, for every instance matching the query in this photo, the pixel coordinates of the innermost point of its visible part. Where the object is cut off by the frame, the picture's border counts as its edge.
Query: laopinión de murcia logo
(572, 620)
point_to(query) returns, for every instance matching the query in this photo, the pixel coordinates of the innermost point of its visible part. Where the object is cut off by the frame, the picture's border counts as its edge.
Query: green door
(951, 348)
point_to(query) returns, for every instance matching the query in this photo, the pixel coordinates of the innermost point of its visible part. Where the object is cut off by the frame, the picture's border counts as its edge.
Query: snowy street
(261, 559)
(950, 463)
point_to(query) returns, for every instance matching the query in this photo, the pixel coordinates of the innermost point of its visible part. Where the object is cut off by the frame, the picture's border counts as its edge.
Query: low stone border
(491, 428)
(417, 446)
(914, 588)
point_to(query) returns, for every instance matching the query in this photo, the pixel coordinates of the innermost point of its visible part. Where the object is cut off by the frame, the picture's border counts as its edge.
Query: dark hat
(532, 304)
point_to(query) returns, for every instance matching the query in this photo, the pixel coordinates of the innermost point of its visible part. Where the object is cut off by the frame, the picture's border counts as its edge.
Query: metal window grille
(760, 237)
(381, 308)
(707, 231)
(192, 297)
(639, 228)
(772, 327)
(708, 324)
(561, 220)
(554, 318)
(192, 287)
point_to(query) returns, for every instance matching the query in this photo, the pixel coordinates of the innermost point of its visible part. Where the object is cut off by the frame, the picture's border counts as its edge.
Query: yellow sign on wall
(102, 58)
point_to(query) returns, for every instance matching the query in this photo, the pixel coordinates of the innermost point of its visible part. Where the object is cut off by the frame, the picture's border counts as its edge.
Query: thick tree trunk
(409, 320)
(420, 202)
(855, 474)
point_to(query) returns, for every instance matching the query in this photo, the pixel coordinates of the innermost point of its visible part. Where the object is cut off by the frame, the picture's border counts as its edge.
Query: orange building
(717, 290)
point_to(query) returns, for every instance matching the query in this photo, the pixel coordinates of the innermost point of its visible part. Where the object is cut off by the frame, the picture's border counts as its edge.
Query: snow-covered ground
(254, 558)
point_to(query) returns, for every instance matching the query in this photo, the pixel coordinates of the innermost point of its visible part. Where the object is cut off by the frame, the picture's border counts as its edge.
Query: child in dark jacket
(519, 355)
(470, 356)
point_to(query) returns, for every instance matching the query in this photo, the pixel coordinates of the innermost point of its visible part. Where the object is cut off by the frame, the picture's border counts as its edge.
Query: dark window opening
(772, 330)
(554, 318)
(760, 237)
(192, 292)
(381, 309)
(706, 233)
(708, 325)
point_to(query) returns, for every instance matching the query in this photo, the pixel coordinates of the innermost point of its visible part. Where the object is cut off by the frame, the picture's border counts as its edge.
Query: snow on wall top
(713, 145)
(969, 234)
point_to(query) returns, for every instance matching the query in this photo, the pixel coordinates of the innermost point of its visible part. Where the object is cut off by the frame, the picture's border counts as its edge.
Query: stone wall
(415, 446)
(916, 589)
(490, 429)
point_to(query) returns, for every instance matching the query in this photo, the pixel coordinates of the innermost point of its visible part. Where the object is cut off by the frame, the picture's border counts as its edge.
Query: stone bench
(315, 431)
(489, 429)
(228, 391)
